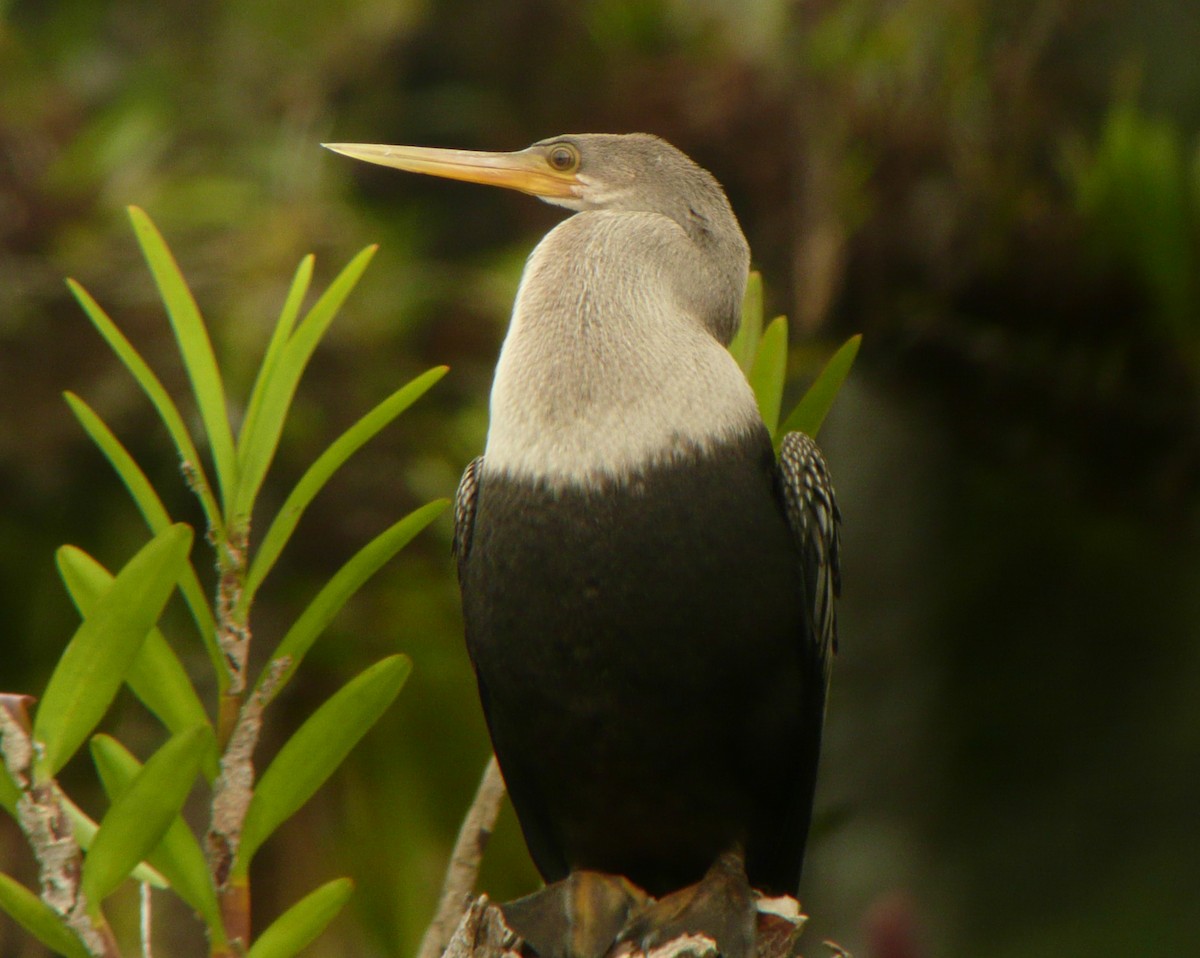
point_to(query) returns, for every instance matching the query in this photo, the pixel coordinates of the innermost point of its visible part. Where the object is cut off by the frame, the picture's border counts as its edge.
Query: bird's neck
(607, 368)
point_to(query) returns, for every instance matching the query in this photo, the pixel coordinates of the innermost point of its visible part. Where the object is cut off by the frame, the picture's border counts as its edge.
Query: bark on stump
(483, 933)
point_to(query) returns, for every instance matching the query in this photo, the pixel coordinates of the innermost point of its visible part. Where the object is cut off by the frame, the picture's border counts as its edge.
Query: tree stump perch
(483, 932)
(591, 915)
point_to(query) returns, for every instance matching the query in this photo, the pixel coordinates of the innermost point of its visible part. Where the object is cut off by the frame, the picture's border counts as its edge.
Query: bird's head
(581, 171)
(632, 172)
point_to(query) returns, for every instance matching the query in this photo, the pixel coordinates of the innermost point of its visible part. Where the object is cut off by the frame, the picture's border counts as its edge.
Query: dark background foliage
(1003, 197)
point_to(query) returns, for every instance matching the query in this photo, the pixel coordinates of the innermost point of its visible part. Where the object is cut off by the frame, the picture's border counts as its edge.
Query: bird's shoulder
(813, 514)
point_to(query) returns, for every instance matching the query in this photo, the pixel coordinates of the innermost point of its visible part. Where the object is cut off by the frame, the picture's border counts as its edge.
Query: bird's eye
(563, 157)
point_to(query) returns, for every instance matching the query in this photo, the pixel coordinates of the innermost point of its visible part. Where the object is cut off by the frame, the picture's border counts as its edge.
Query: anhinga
(648, 592)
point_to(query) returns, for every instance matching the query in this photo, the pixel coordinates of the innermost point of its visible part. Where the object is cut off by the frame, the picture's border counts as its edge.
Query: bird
(648, 589)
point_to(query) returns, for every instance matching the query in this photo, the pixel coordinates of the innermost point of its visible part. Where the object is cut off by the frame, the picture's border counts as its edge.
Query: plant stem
(235, 913)
(147, 916)
(43, 818)
(464, 861)
(232, 792)
(233, 631)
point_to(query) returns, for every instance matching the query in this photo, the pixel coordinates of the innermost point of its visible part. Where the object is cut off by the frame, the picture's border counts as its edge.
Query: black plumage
(652, 658)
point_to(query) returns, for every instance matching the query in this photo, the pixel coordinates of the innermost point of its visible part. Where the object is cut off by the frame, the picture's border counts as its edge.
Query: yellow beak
(526, 170)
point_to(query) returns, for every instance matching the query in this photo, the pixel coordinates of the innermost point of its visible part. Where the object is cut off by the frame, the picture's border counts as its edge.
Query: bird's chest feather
(640, 585)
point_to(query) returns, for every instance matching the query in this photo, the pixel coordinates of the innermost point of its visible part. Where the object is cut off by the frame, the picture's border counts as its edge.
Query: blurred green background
(1003, 197)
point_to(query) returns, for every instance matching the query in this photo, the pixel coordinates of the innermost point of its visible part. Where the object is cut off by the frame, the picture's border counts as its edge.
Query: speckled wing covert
(464, 509)
(813, 514)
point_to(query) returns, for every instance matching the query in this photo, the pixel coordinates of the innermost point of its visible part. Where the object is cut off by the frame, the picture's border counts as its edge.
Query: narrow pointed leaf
(314, 479)
(156, 676)
(345, 582)
(130, 473)
(159, 398)
(194, 348)
(95, 662)
(810, 413)
(279, 337)
(311, 755)
(140, 816)
(770, 370)
(178, 856)
(155, 515)
(745, 342)
(9, 793)
(297, 927)
(39, 919)
(84, 830)
(277, 393)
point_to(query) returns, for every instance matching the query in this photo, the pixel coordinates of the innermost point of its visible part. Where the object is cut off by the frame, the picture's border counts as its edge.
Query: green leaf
(39, 919)
(84, 830)
(159, 398)
(130, 473)
(745, 343)
(141, 814)
(279, 337)
(155, 514)
(194, 348)
(178, 856)
(770, 370)
(95, 662)
(10, 794)
(259, 449)
(812, 409)
(348, 580)
(313, 480)
(156, 677)
(300, 924)
(310, 756)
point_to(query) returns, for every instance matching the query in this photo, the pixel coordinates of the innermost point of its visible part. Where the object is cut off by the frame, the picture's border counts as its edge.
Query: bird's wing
(812, 513)
(464, 509)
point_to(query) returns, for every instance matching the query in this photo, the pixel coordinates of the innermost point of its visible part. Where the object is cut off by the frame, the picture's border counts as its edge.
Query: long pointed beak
(526, 170)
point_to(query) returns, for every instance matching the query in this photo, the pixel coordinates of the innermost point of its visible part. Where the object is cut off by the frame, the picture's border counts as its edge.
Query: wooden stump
(484, 933)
